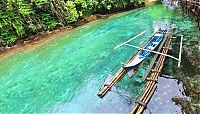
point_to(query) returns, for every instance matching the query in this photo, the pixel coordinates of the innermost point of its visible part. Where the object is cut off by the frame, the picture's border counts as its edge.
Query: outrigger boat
(136, 61)
(145, 52)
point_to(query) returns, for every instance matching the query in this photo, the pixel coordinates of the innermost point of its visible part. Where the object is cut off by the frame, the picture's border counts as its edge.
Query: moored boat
(137, 60)
(144, 52)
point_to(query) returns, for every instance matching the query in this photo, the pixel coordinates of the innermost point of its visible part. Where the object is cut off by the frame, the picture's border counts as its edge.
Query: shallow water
(64, 75)
(161, 102)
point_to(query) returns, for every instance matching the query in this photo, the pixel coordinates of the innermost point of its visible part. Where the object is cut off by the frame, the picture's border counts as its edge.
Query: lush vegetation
(22, 18)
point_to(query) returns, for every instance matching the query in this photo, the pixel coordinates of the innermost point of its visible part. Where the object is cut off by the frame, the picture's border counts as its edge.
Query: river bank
(44, 36)
(189, 73)
(191, 59)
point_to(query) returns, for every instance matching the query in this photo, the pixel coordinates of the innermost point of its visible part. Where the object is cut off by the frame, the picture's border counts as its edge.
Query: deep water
(65, 74)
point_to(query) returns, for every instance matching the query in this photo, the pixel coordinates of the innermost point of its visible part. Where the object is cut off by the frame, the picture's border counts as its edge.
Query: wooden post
(181, 44)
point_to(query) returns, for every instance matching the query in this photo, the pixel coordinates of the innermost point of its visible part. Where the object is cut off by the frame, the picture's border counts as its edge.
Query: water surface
(65, 74)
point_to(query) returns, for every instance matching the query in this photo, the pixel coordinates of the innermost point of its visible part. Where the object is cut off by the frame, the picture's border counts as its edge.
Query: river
(65, 74)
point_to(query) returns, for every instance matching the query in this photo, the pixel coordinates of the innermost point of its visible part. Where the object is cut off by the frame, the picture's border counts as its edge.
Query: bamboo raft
(118, 76)
(150, 87)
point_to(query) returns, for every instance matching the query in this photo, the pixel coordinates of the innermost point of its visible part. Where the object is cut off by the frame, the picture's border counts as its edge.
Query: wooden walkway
(150, 87)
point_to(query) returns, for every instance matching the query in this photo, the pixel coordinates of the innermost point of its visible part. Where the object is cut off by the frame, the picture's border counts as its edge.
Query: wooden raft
(150, 87)
(118, 76)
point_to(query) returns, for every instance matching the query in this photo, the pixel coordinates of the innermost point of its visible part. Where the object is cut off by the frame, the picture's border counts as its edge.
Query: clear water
(161, 102)
(65, 74)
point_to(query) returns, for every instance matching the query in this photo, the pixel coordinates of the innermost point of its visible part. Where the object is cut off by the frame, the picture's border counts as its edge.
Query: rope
(141, 103)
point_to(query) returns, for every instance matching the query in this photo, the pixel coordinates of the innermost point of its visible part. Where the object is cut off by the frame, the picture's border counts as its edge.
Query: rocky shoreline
(191, 84)
(189, 73)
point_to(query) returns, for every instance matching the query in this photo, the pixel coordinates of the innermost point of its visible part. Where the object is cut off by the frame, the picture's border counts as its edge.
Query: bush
(20, 18)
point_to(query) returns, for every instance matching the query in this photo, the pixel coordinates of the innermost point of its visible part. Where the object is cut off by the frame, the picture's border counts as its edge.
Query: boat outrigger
(145, 52)
(136, 61)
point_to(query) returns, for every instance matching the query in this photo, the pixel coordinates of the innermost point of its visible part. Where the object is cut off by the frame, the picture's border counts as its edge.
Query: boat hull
(143, 54)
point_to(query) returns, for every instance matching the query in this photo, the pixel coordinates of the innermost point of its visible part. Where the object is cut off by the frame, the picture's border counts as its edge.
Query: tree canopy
(21, 18)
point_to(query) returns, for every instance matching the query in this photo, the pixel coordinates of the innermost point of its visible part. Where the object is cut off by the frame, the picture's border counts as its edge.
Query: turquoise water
(65, 74)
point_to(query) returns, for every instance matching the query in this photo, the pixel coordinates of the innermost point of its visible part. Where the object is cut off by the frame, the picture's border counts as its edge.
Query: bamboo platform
(118, 76)
(150, 87)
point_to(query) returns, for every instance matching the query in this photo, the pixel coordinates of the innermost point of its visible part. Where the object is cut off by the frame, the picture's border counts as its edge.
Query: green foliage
(7, 37)
(72, 13)
(20, 18)
(49, 22)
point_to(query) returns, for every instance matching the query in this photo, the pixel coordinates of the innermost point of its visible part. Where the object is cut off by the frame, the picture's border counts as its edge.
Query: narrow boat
(136, 61)
(144, 52)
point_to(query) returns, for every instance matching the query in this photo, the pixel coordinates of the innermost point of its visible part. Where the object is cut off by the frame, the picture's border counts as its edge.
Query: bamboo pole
(129, 40)
(118, 76)
(154, 59)
(106, 88)
(181, 44)
(150, 86)
(153, 52)
(141, 108)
